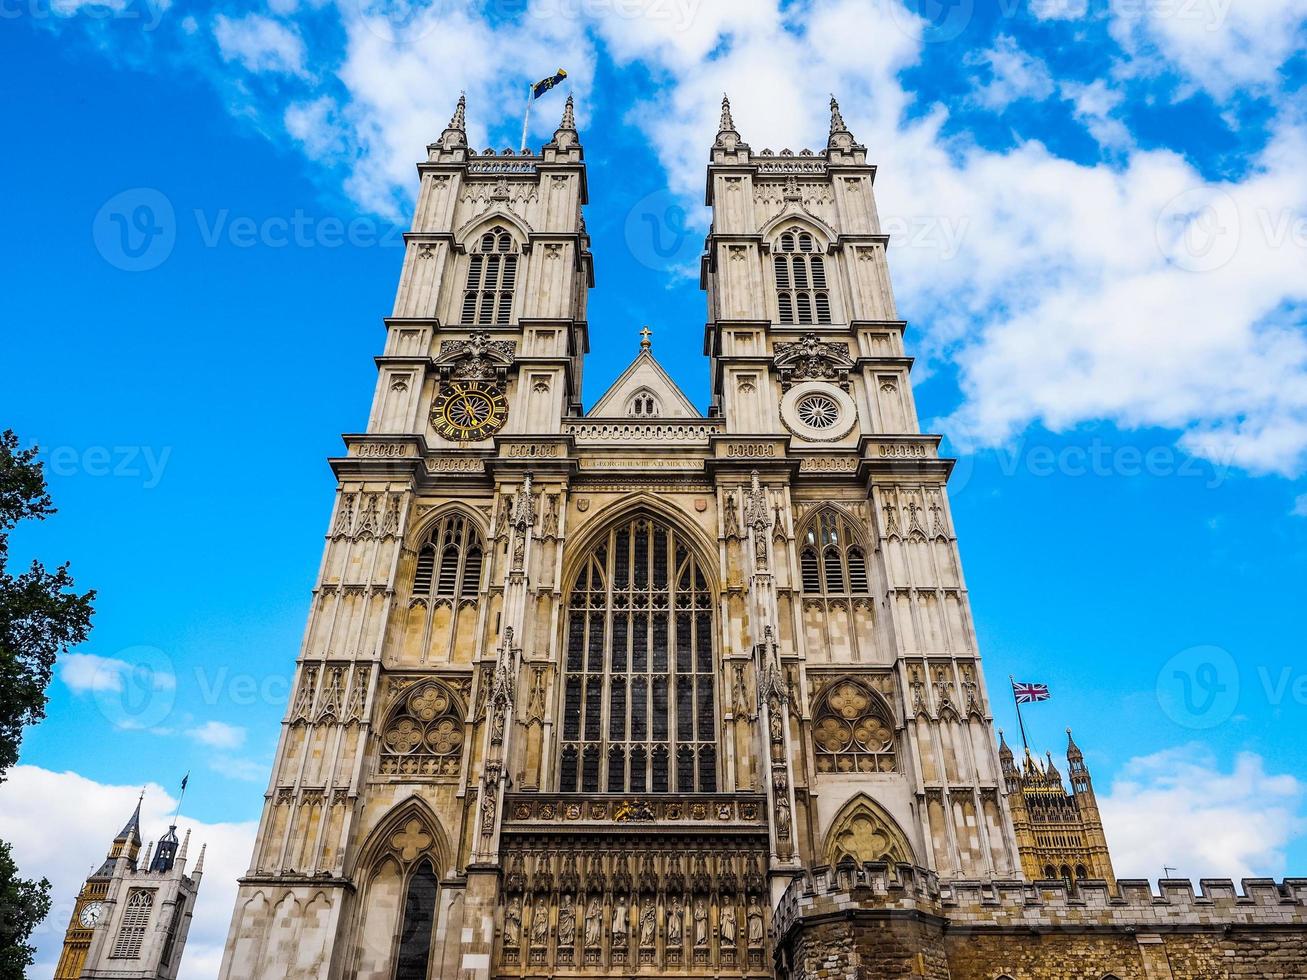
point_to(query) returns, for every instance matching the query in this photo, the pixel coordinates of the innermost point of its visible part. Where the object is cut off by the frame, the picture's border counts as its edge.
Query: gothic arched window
(639, 711)
(801, 293)
(491, 278)
(449, 560)
(136, 917)
(643, 405)
(830, 559)
(853, 730)
(412, 959)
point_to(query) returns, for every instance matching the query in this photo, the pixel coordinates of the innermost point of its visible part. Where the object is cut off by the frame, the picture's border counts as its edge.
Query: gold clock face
(469, 411)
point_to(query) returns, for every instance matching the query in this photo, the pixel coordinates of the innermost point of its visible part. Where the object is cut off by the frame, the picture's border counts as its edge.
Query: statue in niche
(513, 922)
(593, 927)
(700, 924)
(675, 922)
(755, 922)
(540, 923)
(729, 926)
(648, 923)
(621, 923)
(566, 922)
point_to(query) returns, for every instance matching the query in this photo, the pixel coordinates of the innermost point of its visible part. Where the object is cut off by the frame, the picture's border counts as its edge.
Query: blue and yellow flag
(545, 84)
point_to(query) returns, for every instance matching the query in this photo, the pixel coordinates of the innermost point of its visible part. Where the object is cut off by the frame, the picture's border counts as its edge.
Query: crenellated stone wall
(882, 921)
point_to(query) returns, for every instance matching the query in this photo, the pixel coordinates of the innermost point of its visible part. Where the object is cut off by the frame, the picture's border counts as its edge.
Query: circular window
(818, 411)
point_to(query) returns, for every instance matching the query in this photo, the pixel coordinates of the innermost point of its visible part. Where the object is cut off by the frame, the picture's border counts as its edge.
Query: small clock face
(92, 913)
(469, 411)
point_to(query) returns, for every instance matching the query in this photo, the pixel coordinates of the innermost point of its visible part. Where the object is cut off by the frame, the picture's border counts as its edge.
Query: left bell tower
(131, 918)
(376, 855)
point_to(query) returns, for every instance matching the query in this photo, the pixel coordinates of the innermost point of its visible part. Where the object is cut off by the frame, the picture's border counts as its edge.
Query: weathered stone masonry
(882, 921)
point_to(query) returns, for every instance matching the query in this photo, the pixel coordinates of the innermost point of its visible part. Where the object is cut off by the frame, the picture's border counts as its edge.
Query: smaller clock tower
(131, 918)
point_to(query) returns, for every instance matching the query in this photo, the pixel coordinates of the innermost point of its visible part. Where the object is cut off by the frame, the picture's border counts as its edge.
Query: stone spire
(566, 135)
(455, 134)
(728, 137)
(1073, 753)
(199, 863)
(840, 137)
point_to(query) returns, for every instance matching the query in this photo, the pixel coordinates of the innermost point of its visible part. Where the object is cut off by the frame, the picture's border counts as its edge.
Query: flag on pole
(545, 84)
(1029, 693)
(185, 780)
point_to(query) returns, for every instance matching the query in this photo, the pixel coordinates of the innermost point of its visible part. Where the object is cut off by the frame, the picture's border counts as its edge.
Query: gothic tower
(1059, 834)
(581, 692)
(130, 919)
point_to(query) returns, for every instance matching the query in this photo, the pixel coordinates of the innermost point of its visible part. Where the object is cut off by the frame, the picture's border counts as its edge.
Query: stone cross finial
(645, 334)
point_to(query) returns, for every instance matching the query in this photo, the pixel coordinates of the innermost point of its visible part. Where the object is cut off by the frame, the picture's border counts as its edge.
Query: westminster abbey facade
(637, 691)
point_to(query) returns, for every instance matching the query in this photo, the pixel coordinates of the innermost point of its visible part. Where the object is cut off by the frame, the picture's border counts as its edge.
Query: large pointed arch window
(131, 931)
(449, 560)
(802, 296)
(491, 279)
(639, 712)
(412, 959)
(831, 561)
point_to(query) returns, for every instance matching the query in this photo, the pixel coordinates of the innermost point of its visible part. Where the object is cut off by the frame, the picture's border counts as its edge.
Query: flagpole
(1012, 683)
(530, 90)
(181, 796)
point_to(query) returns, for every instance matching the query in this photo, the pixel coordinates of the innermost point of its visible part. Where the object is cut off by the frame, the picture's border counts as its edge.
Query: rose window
(818, 411)
(424, 737)
(853, 731)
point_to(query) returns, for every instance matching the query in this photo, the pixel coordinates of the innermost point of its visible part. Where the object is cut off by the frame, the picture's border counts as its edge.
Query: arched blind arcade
(639, 712)
(491, 279)
(801, 292)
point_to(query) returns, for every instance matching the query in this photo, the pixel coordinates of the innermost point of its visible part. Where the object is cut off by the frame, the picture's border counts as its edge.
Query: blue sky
(1100, 245)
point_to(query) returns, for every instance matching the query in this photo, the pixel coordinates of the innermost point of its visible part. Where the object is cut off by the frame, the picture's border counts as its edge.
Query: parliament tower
(582, 692)
(132, 916)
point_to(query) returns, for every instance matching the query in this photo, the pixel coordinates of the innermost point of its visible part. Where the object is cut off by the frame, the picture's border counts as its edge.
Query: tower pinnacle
(728, 137)
(840, 137)
(455, 134)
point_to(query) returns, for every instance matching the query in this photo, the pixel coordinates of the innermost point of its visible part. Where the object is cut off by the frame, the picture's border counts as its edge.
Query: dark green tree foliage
(41, 615)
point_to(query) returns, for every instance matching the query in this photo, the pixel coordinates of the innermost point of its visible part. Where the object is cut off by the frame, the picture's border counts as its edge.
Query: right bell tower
(895, 756)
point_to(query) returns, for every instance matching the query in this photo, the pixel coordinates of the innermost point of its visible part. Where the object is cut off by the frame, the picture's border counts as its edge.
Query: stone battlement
(1042, 905)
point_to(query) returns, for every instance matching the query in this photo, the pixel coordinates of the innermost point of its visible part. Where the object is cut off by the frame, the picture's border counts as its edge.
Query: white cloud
(1065, 292)
(1014, 75)
(1094, 103)
(244, 770)
(1220, 45)
(260, 44)
(1300, 506)
(88, 673)
(61, 824)
(218, 735)
(1180, 808)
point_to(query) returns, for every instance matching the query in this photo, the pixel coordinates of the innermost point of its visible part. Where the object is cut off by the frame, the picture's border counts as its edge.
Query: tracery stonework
(644, 691)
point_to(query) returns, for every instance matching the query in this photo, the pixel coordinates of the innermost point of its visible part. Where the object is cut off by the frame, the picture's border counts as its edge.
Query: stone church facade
(642, 692)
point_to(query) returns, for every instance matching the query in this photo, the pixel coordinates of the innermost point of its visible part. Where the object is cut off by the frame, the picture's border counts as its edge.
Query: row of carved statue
(636, 919)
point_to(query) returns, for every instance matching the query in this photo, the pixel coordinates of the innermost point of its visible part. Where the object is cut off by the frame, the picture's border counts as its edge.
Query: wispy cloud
(1182, 808)
(86, 673)
(218, 735)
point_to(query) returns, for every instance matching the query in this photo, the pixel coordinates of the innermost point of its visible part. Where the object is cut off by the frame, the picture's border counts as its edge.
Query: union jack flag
(1028, 693)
